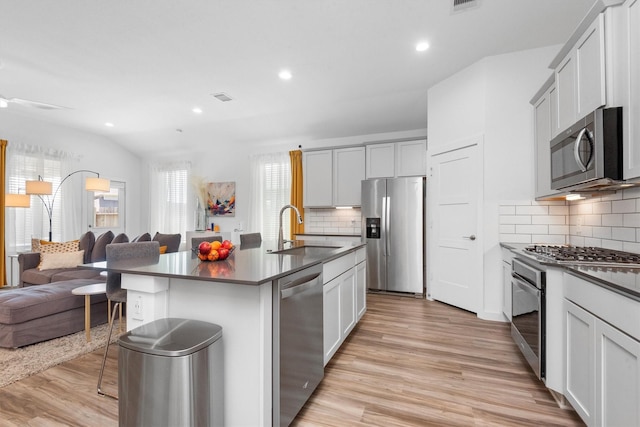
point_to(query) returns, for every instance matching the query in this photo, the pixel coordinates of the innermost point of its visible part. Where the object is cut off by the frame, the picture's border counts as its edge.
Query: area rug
(19, 363)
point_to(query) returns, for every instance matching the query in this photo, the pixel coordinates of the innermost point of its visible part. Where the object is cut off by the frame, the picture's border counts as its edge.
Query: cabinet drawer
(361, 254)
(332, 269)
(617, 310)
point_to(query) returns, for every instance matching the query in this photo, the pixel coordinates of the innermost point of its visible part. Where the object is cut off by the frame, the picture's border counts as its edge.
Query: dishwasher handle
(299, 285)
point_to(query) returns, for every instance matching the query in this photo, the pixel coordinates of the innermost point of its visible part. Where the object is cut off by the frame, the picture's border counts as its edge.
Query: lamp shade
(39, 187)
(17, 200)
(97, 184)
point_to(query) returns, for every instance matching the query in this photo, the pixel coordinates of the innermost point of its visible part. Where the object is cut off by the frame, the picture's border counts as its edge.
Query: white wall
(491, 97)
(97, 153)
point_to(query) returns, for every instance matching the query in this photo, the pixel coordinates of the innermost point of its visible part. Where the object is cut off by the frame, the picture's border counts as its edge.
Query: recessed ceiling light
(109, 124)
(422, 46)
(285, 75)
(197, 110)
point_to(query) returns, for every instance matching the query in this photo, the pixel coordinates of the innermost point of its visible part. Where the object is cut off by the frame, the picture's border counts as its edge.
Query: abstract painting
(221, 199)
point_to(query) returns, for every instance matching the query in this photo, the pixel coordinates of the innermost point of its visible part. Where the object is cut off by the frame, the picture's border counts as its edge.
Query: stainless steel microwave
(588, 155)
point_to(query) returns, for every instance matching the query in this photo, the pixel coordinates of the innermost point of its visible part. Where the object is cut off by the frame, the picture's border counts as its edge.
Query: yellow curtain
(3, 251)
(296, 191)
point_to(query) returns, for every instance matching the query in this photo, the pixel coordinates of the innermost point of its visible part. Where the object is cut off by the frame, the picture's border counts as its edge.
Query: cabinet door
(347, 302)
(617, 377)
(631, 119)
(580, 363)
(380, 160)
(506, 289)
(590, 69)
(566, 91)
(542, 112)
(348, 173)
(411, 158)
(361, 289)
(318, 173)
(331, 318)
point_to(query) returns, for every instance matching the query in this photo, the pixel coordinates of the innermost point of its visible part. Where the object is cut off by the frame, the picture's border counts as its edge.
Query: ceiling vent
(221, 96)
(462, 5)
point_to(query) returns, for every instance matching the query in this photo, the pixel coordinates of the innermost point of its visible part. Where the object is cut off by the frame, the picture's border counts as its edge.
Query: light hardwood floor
(409, 362)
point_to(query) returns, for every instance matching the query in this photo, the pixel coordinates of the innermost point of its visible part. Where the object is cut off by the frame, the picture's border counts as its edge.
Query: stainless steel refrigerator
(393, 216)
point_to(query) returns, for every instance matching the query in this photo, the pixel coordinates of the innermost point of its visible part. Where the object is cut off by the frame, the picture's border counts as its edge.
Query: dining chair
(195, 241)
(253, 239)
(137, 253)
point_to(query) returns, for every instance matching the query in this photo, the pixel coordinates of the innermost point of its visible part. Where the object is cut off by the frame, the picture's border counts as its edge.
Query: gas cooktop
(585, 255)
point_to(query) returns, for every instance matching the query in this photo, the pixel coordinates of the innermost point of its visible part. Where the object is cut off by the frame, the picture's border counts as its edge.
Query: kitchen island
(240, 295)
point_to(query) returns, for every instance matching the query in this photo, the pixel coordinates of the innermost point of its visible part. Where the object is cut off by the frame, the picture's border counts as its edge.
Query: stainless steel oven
(528, 283)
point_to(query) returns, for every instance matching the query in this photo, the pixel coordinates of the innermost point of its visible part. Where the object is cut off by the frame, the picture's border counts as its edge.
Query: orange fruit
(216, 245)
(213, 255)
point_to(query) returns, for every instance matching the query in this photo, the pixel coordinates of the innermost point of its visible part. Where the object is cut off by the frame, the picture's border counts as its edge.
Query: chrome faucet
(280, 239)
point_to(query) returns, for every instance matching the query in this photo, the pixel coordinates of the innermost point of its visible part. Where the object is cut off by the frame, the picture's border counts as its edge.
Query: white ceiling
(144, 64)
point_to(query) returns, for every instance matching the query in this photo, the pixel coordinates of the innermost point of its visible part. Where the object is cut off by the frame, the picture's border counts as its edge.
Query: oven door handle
(525, 286)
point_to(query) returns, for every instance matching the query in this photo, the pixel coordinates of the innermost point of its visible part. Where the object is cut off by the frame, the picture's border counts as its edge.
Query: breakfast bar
(241, 295)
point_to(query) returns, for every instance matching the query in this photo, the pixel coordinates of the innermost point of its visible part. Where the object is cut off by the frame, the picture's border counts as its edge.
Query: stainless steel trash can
(170, 373)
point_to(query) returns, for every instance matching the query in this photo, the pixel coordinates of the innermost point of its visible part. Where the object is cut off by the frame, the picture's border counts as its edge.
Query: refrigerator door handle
(387, 211)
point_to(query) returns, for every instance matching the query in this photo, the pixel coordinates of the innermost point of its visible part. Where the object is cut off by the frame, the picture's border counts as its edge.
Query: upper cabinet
(332, 177)
(580, 77)
(544, 119)
(395, 159)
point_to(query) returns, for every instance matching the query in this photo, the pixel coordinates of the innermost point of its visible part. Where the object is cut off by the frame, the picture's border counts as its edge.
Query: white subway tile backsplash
(611, 221)
(532, 210)
(623, 206)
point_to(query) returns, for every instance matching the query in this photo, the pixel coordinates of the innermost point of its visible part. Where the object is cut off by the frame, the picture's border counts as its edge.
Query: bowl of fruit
(215, 251)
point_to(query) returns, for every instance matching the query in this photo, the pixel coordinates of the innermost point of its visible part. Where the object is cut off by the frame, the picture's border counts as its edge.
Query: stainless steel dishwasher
(298, 364)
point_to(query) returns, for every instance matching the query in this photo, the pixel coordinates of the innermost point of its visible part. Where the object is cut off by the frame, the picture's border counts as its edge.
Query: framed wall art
(221, 198)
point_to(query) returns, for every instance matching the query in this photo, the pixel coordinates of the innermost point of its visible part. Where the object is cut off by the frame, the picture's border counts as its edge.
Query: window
(107, 210)
(26, 163)
(169, 189)
(271, 190)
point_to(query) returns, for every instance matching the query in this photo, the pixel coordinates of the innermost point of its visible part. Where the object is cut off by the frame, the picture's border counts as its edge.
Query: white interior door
(455, 266)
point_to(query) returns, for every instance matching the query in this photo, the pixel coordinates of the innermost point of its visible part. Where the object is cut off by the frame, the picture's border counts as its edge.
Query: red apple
(223, 253)
(227, 244)
(204, 248)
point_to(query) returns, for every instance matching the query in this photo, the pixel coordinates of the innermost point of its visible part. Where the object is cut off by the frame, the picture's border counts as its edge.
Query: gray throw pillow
(87, 241)
(99, 252)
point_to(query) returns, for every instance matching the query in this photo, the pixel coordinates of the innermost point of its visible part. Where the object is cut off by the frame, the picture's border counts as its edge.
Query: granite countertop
(245, 266)
(623, 280)
(330, 234)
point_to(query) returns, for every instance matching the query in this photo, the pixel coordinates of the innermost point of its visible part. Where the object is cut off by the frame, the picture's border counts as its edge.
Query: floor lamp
(42, 188)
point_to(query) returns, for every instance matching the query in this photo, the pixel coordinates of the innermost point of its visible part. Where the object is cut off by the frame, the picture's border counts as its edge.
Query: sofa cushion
(145, 237)
(171, 241)
(120, 238)
(99, 252)
(50, 261)
(74, 273)
(24, 304)
(87, 240)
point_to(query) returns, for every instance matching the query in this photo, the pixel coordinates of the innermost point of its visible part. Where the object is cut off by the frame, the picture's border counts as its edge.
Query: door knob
(472, 237)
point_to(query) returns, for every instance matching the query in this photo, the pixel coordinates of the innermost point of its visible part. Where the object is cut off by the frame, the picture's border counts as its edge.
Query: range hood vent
(461, 5)
(221, 96)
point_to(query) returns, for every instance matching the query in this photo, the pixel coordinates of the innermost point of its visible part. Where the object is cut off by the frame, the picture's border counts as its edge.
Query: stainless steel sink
(310, 251)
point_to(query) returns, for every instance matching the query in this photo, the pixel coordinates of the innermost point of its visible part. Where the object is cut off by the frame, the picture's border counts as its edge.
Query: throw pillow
(53, 260)
(163, 249)
(57, 247)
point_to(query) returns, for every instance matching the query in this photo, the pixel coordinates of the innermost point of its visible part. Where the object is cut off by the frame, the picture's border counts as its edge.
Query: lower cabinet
(344, 301)
(602, 361)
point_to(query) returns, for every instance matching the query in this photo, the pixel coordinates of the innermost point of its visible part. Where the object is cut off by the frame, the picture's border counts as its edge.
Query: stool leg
(87, 317)
(109, 310)
(104, 358)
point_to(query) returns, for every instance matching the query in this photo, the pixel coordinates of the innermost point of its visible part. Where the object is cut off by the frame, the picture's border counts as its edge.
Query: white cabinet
(580, 77)
(507, 257)
(332, 177)
(341, 300)
(317, 167)
(580, 355)
(411, 158)
(544, 123)
(602, 333)
(361, 282)
(381, 160)
(617, 377)
(348, 172)
(394, 159)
